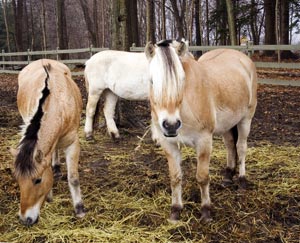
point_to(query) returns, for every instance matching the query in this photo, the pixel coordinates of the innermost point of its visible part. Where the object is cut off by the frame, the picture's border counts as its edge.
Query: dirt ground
(268, 212)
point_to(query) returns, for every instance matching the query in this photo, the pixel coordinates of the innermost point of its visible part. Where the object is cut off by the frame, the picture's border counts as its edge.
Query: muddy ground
(268, 212)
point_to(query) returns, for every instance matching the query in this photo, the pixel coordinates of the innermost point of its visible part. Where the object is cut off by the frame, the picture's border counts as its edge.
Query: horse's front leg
(72, 158)
(204, 148)
(174, 160)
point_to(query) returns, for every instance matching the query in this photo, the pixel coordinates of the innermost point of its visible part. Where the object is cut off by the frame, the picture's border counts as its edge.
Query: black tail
(24, 163)
(234, 132)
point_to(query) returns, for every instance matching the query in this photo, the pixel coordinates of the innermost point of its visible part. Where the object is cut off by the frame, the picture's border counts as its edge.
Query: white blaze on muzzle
(31, 215)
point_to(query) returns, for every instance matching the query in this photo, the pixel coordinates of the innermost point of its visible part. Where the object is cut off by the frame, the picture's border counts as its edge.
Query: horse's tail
(24, 163)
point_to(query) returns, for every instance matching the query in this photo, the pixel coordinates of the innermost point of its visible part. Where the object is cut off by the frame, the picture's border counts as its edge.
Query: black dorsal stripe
(24, 163)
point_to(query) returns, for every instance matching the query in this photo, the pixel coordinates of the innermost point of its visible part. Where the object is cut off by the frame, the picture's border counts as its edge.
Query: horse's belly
(225, 120)
(131, 91)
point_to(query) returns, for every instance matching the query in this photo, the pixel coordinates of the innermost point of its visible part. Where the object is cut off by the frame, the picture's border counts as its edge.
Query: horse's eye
(37, 181)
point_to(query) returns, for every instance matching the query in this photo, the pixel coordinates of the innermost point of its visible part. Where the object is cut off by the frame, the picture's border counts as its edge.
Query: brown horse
(191, 101)
(50, 104)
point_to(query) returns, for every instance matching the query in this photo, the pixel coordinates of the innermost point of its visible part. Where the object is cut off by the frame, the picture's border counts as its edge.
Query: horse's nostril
(165, 124)
(29, 221)
(177, 124)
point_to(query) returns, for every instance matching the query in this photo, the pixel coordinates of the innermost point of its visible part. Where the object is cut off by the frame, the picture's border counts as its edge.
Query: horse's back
(124, 73)
(221, 87)
(232, 69)
(64, 93)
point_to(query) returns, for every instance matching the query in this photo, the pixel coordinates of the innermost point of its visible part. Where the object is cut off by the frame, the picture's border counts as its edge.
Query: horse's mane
(167, 73)
(24, 164)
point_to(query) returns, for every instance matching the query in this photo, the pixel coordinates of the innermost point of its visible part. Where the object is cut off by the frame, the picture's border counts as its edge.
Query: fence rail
(7, 65)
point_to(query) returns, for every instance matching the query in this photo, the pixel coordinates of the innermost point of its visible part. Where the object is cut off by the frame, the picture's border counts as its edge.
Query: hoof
(80, 210)
(114, 136)
(205, 214)
(175, 213)
(228, 174)
(244, 183)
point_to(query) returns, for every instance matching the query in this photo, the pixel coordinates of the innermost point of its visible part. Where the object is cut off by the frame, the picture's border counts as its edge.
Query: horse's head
(35, 180)
(167, 84)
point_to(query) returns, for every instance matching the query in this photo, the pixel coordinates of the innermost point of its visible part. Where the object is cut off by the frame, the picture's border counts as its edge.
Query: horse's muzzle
(29, 221)
(170, 129)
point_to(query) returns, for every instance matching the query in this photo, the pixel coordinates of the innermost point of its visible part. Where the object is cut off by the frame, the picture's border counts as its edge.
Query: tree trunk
(18, 17)
(150, 21)
(198, 26)
(43, 23)
(95, 20)
(284, 28)
(270, 20)
(178, 18)
(88, 21)
(253, 22)
(163, 19)
(4, 4)
(62, 27)
(32, 41)
(207, 23)
(231, 22)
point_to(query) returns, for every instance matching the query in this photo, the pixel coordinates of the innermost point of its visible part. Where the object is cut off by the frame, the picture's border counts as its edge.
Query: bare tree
(231, 22)
(18, 7)
(4, 4)
(179, 17)
(150, 21)
(62, 34)
(43, 23)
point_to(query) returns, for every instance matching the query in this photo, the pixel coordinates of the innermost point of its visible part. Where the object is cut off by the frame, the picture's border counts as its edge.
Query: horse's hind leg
(243, 132)
(72, 157)
(109, 112)
(93, 99)
(230, 140)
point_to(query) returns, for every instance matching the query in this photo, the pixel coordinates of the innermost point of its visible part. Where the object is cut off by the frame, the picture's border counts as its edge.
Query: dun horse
(50, 104)
(115, 74)
(191, 101)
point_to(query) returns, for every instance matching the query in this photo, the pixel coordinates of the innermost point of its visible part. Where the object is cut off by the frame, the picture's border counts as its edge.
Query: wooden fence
(14, 61)
(9, 64)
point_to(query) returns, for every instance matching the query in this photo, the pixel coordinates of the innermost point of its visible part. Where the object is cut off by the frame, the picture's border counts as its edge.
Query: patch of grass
(127, 194)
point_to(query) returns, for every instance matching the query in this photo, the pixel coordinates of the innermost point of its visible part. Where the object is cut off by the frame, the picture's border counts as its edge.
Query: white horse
(119, 74)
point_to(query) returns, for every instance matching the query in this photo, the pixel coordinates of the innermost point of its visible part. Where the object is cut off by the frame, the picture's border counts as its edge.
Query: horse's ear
(182, 48)
(149, 50)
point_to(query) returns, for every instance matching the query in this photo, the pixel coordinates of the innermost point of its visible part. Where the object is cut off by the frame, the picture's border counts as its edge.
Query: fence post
(249, 47)
(57, 55)
(28, 56)
(91, 50)
(3, 59)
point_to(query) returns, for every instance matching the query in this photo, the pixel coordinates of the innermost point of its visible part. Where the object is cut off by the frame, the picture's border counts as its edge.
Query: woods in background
(66, 24)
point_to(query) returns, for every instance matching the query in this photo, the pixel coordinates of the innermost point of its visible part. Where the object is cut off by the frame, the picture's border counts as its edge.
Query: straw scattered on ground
(125, 185)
